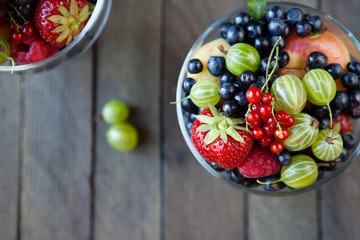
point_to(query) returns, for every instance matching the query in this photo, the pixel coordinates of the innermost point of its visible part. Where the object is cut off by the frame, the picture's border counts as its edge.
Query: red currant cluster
(19, 26)
(266, 126)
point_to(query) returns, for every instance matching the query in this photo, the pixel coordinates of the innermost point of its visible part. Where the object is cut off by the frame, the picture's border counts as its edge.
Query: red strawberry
(260, 162)
(220, 139)
(342, 124)
(61, 21)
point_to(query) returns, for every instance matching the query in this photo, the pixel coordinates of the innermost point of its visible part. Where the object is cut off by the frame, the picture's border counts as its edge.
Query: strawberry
(220, 139)
(60, 21)
(260, 162)
(342, 124)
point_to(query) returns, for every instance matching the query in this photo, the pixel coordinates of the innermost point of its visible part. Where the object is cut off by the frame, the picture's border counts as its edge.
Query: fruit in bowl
(269, 101)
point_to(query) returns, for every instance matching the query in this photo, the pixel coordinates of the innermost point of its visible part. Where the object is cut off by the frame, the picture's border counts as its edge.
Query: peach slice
(217, 47)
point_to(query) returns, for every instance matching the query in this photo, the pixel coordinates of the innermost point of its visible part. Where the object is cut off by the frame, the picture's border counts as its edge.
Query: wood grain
(340, 197)
(127, 185)
(55, 200)
(197, 206)
(9, 154)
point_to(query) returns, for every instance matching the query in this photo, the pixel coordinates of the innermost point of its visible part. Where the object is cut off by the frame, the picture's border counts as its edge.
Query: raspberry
(260, 162)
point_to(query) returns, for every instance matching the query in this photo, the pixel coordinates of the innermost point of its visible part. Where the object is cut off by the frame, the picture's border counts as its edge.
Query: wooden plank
(9, 154)
(57, 158)
(127, 185)
(274, 218)
(197, 206)
(340, 197)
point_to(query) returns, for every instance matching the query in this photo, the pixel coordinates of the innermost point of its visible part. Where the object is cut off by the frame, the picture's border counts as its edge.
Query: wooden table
(60, 180)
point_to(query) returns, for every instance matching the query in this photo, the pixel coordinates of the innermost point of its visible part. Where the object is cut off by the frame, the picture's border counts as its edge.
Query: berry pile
(38, 29)
(269, 102)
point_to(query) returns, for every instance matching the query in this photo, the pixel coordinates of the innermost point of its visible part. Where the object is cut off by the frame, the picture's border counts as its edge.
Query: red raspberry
(260, 162)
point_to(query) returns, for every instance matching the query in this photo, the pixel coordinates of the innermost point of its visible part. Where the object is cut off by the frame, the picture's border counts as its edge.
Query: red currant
(255, 107)
(267, 98)
(271, 120)
(257, 133)
(282, 134)
(16, 36)
(253, 94)
(282, 116)
(252, 117)
(28, 29)
(290, 122)
(255, 124)
(276, 147)
(265, 141)
(269, 129)
(265, 109)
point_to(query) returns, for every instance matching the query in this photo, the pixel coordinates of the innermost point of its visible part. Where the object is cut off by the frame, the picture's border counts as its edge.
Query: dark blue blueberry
(335, 70)
(340, 101)
(316, 60)
(283, 59)
(231, 108)
(235, 176)
(275, 12)
(354, 96)
(190, 116)
(350, 80)
(261, 44)
(327, 166)
(227, 91)
(320, 112)
(261, 79)
(348, 141)
(324, 123)
(306, 16)
(242, 19)
(353, 67)
(336, 112)
(276, 27)
(284, 157)
(264, 63)
(272, 186)
(216, 65)
(223, 29)
(354, 112)
(216, 167)
(239, 85)
(189, 106)
(343, 156)
(227, 78)
(281, 43)
(316, 23)
(240, 97)
(254, 29)
(235, 34)
(303, 29)
(188, 126)
(294, 15)
(194, 66)
(247, 78)
(187, 84)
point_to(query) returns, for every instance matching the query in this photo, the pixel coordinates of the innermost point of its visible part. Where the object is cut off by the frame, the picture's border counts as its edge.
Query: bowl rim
(188, 140)
(101, 11)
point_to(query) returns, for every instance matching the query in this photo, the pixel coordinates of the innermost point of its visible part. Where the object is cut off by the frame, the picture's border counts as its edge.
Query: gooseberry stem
(330, 113)
(267, 75)
(275, 181)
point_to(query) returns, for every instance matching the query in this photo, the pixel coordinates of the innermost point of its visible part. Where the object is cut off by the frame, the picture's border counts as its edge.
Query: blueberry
(316, 60)
(264, 63)
(320, 112)
(343, 156)
(240, 98)
(324, 123)
(327, 166)
(189, 106)
(281, 43)
(353, 67)
(354, 96)
(340, 101)
(194, 66)
(247, 78)
(261, 44)
(348, 140)
(235, 34)
(350, 80)
(216, 65)
(315, 22)
(254, 29)
(276, 26)
(336, 112)
(306, 16)
(216, 167)
(223, 29)
(234, 175)
(238, 85)
(272, 186)
(283, 59)
(188, 126)
(231, 108)
(354, 112)
(284, 157)
(190, 116)
(335, 70)
(187, 84)
(294, 15)
(303, 29)
(261, 79)
(227, 91)
(242, 19)
(227, 77)
(274, 12)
